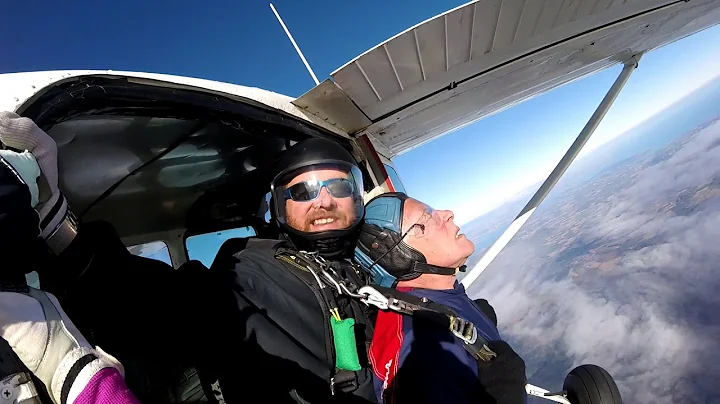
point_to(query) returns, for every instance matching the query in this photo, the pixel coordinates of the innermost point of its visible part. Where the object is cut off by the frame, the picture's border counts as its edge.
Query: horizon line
(518, 194)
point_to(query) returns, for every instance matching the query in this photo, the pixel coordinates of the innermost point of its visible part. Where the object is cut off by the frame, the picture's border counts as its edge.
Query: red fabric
(386, 345)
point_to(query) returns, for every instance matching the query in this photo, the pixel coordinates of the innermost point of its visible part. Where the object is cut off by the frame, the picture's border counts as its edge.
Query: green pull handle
(346, 356)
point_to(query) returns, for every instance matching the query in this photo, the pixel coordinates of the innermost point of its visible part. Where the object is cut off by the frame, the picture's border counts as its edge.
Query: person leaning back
(447, 348)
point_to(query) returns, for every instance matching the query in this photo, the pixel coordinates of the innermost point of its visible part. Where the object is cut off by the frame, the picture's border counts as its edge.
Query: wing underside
(487, 55)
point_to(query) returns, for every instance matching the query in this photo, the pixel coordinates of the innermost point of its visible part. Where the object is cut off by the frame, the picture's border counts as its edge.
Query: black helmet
(380, 247)
(308, 157)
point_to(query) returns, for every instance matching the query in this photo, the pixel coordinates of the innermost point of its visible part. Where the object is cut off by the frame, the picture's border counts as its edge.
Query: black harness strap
(341, 380)
(425, 268)
(421, 308)
(445, 317)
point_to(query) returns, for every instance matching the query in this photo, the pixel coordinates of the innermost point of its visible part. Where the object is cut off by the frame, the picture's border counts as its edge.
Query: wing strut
(553, 178)
(297, 48)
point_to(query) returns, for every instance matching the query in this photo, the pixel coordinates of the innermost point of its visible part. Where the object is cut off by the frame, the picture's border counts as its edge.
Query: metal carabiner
(315, 256)
(347, 291)
(333, 281)
(373, 297)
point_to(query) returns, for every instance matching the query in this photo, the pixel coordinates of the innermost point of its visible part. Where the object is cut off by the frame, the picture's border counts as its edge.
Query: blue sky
(484, 164)
(244, 44)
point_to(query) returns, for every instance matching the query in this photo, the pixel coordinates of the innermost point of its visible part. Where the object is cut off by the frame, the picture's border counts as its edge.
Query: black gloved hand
(503, 380)
(487, 310)
(18, 219)
(20, 244)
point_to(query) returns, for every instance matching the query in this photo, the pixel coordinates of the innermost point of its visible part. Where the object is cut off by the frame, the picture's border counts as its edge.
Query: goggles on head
(307, 191)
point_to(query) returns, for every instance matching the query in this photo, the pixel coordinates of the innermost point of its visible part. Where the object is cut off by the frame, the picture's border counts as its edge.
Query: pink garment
(107, 387)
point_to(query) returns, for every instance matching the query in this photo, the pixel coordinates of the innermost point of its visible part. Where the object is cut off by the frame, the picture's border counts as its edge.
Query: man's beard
(304, 223)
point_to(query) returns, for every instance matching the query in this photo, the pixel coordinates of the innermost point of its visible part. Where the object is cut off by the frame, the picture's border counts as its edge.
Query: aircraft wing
(487, 55)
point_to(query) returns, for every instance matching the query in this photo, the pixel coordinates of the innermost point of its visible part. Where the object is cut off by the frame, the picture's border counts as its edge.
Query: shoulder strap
(414, 300)
(264, 243)
(337, 335)
(445, 317)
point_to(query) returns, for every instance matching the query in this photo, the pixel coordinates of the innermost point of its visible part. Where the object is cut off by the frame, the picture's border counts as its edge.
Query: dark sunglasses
(310, 190)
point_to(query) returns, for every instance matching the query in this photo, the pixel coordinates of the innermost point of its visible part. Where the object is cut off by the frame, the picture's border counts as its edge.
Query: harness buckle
(374, 297)
(486, 354)
(18, 387)
(463, 329)
(344, 381)
(401, 306)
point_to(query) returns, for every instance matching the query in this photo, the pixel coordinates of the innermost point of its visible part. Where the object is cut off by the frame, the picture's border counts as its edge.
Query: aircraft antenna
(295, 45)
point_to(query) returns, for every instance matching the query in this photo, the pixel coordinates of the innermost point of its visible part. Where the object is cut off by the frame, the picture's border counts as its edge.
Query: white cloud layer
(653, 319)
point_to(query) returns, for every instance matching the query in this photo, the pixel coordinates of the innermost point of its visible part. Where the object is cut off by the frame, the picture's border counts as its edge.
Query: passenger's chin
(465, 244)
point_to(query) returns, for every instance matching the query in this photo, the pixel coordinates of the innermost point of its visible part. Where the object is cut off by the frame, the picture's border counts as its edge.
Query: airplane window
(267, 214)
(156, 250)
(204, 247)
(394, 178)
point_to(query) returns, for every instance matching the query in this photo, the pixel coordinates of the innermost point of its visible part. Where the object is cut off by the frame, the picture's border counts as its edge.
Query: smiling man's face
(326, 212)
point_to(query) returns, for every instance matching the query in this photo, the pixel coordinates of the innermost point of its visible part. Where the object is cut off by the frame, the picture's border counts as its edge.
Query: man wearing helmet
(413, 253)
(297, 325)
(264, 329)
(317, 197)
(260, 329)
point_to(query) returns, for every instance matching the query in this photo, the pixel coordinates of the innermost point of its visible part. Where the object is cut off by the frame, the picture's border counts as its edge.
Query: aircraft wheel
(591, 384)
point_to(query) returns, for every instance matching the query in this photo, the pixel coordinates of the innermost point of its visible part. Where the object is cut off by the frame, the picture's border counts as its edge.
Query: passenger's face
(440, 242)
(326, 212)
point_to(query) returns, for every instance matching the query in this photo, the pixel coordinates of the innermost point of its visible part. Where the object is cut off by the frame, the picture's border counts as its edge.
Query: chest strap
(341, 333)
(403, 303)
(441, 315)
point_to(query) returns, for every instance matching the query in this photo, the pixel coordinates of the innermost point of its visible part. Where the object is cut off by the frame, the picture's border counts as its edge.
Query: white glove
(31, 321)
(57, 224)
(49, 344)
